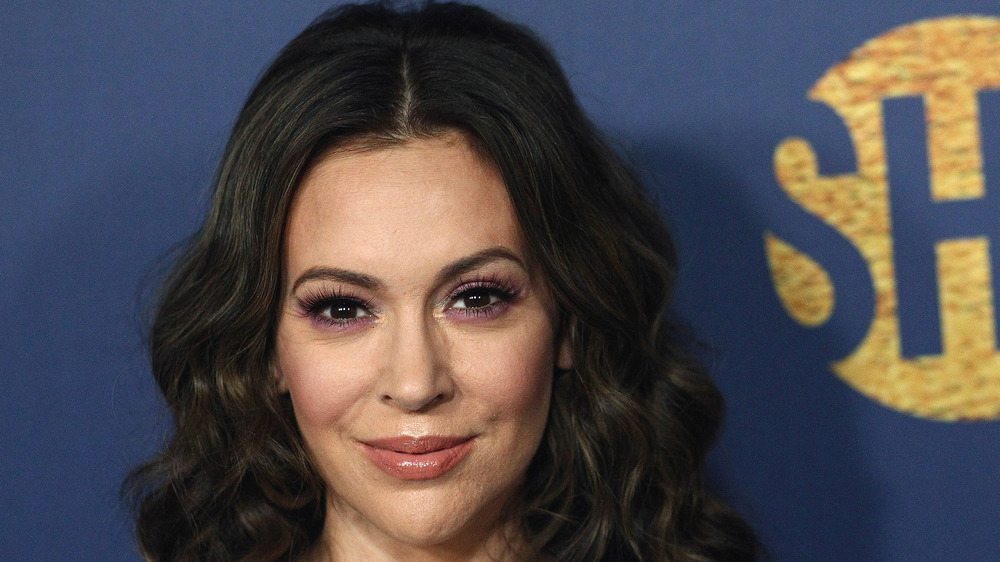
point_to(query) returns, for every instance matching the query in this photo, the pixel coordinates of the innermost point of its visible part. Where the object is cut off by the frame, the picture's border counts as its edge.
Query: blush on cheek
(320, 394)
(521, 381)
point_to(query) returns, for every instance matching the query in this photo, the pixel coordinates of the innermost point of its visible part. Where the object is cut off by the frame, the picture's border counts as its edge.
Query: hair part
(619, 473)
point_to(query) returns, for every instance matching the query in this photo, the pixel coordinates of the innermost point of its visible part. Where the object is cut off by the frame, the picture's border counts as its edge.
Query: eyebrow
(337, 274)
(476, 260)
(455, 269)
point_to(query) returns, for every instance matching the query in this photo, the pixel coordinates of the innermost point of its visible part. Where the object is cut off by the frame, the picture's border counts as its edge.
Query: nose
(417, 375)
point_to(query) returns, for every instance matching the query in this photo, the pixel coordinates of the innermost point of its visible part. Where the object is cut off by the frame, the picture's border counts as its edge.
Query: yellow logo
(924, 231)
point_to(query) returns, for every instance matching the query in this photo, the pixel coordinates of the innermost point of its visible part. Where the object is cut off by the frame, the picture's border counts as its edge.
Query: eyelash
(314, 305)
(505, 291)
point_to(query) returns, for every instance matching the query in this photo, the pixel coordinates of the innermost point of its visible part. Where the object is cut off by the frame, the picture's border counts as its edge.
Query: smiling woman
(417, 344)
(425, 319)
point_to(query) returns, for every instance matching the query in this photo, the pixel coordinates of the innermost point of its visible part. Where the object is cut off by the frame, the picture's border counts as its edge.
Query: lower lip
(424, 466)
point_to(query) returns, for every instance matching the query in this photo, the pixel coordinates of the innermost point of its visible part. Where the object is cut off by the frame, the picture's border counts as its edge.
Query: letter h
(918, 223)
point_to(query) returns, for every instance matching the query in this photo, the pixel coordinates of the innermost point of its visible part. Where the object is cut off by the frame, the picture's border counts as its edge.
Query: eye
(480, 299)
(477, 298)
(342, 309)
(338, 312)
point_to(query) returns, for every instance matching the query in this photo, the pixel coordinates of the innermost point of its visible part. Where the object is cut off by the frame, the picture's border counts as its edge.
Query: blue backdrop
(113, 115)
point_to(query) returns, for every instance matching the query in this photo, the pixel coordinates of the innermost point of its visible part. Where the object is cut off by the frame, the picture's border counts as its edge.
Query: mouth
(417, 458)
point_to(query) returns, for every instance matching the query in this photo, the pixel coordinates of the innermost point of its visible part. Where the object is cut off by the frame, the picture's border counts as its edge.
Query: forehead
(433, 198)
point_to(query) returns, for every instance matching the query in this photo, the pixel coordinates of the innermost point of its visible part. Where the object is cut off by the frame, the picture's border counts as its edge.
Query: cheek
(323, 389)
(515, 375)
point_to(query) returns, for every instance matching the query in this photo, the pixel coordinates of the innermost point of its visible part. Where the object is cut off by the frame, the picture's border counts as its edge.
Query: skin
(383, 334)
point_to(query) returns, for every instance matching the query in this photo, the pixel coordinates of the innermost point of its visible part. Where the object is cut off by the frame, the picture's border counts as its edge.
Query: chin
(444, 523)
(427, 534)
(430, 520)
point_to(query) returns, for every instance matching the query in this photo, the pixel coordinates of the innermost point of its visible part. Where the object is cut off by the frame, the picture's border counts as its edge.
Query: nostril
(416, 403)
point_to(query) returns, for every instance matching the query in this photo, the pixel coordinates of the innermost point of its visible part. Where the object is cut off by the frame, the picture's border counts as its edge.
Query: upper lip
(415, 445)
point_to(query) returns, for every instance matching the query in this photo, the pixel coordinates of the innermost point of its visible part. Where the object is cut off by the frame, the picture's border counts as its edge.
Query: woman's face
(417, 342)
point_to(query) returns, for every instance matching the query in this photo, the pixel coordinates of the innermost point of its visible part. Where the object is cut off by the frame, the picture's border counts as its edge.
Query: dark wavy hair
(618, 475)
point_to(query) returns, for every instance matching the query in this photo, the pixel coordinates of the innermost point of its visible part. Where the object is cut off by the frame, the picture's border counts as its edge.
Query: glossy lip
(417, 458)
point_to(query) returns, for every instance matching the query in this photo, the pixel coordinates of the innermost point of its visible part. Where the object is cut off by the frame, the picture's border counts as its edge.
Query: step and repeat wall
(830, 171)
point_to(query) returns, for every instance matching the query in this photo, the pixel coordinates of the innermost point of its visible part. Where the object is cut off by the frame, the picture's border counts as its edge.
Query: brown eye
(476, 298)
(345, 310)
